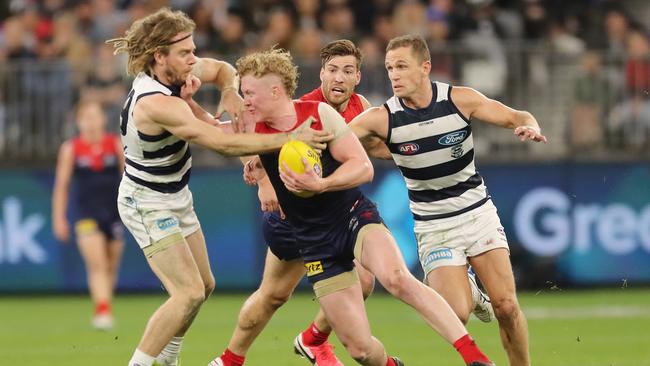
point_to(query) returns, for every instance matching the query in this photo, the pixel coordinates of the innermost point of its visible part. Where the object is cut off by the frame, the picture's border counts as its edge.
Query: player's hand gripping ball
(292, 153)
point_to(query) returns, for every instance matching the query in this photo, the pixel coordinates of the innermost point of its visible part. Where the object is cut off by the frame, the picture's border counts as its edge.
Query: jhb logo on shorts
(437, 255)
(314, 268)
(166, 223)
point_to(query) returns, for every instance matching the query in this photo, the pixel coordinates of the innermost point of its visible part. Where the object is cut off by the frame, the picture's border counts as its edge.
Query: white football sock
(140, 358)
(169, 355)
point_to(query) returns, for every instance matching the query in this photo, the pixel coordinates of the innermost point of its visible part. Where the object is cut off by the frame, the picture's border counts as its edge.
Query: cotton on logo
(17, 236)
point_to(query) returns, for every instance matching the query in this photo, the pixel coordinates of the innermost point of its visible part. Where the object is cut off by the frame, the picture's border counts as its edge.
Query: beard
(174, 78)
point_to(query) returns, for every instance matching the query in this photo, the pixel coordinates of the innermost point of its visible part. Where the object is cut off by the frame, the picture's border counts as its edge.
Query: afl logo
(409, 148)
(452, 138)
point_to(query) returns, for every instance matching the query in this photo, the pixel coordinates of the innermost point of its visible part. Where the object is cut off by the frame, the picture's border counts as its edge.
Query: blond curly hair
(149, 35)
(273, 61)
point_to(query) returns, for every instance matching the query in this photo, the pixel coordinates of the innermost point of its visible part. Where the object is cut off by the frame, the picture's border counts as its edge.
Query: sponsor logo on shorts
(501, 231)
(314, 268)
(437, 255)
(86, 226)
(166, 223)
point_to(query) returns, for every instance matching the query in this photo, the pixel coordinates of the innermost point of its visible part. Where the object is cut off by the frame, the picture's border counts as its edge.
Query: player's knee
(505, 309)
(193, 296)
(98, 267)
(397, 283)
(275, 298)
(278, 299)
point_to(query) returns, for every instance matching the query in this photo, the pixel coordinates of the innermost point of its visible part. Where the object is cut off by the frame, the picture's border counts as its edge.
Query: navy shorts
(279, 236)
(336, 256)
(112, 227)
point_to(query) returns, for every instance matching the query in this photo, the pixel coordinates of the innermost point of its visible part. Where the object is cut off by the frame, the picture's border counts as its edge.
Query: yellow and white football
(292, 153)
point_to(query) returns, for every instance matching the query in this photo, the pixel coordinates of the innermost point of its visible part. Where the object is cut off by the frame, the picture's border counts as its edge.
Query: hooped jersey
(160, 162)
(312, 218)
(353, 109)
(96, 175)
(434, 149)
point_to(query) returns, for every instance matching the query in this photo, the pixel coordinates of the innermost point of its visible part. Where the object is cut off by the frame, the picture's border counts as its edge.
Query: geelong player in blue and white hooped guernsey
(427, 127)
(158, 122)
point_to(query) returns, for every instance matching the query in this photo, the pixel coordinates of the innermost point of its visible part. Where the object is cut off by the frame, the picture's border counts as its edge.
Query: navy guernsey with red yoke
(95, 183)
(353, 109)
(323, 227)
(278, 233)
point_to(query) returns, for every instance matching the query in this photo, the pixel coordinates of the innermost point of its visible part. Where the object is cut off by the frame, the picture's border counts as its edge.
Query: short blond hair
(417, 43)
(149, 35)
(273, 61)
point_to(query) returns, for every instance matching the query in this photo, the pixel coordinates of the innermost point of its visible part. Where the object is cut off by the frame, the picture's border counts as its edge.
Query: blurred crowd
(594, 53)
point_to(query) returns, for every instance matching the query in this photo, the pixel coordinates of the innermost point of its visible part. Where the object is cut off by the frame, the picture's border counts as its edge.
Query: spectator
(410, 17)
(279, 30)
(232, 37)
(105, 85)
(630, 121)
(593, 97)
(338, 22)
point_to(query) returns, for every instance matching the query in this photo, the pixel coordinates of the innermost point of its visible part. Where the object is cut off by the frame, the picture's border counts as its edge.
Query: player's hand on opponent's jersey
(253, 171)
(61, 230)
(314, 138)
(307, 181)
(268, 199)
(530, 133)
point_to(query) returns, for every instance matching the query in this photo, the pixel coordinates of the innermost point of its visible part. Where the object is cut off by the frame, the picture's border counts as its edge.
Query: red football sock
(390, 362)
(312, 336)
(103, 307)
(231, 359)
(468, 349)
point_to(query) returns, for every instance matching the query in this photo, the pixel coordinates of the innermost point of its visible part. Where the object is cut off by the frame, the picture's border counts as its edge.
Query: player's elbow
(368, 172)
(221, 143)
(189, 134)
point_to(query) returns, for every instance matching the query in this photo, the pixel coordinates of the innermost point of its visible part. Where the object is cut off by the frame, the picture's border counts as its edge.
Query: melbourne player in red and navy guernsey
(95, 181)
(317, 227)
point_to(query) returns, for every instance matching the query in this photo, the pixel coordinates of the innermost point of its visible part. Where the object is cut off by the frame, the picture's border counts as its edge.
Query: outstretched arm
(371, 127)
(471, 103)
(175, 116)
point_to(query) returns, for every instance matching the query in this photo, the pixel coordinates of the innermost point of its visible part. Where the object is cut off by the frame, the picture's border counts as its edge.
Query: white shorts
(450, 241)
(151, 216)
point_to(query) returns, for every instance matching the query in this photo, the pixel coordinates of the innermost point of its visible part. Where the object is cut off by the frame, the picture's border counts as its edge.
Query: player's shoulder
(67, 148)
(375, 112)
(157, 102)
(314, 95)
(69, 143)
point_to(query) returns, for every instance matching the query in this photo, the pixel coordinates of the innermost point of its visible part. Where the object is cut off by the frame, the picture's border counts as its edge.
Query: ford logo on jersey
(409, 148)
(452, 138)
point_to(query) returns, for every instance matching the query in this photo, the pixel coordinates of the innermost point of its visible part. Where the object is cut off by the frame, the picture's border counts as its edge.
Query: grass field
(568, 328)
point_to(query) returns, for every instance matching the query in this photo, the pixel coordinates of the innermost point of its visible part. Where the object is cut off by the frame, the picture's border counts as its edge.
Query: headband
(178, 40)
